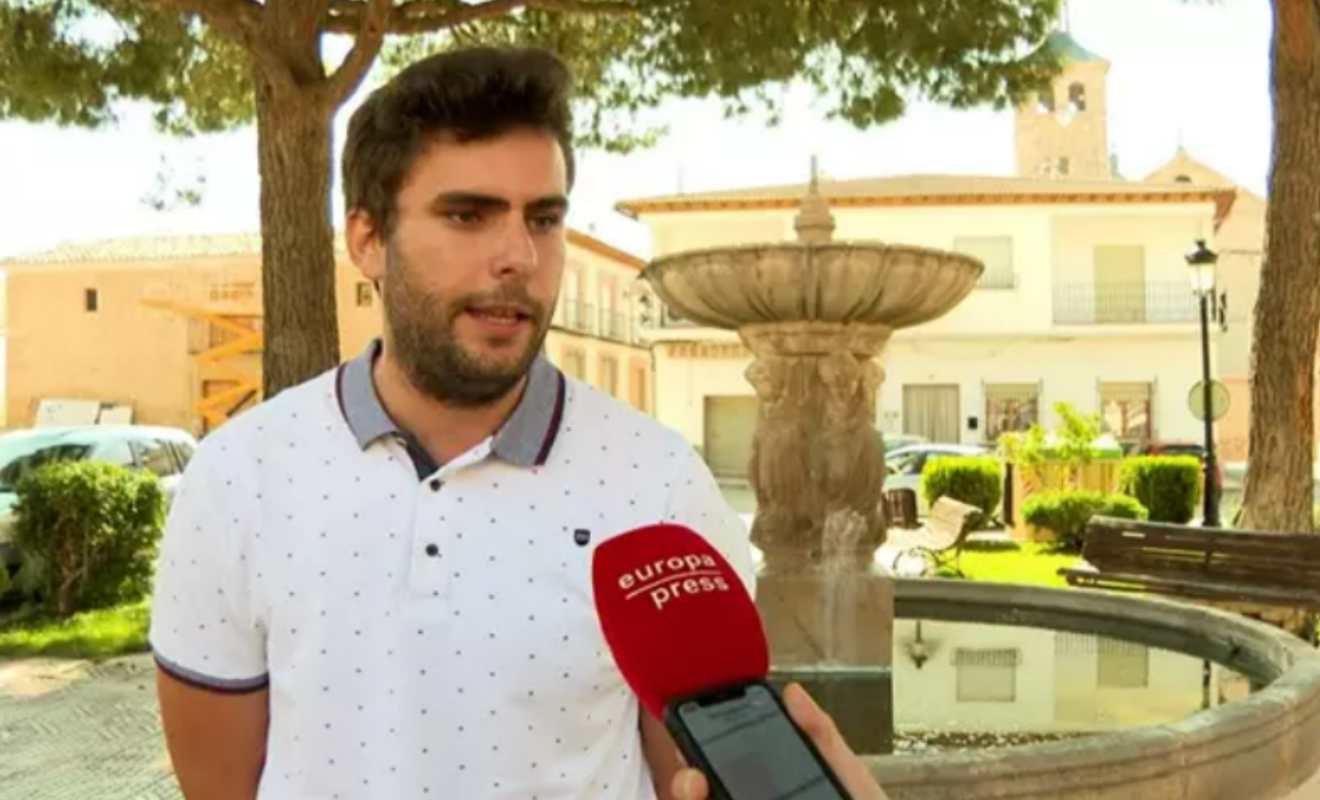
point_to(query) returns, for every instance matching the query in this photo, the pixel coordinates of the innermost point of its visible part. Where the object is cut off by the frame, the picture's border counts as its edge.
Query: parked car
(1159, 448)
(903, 466)
(163, 451)
(894, 441)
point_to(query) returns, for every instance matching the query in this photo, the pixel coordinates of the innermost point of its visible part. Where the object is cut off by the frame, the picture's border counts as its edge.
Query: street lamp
(1202, 262)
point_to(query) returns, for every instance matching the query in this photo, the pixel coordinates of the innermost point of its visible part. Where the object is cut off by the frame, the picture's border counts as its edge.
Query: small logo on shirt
(582, 536)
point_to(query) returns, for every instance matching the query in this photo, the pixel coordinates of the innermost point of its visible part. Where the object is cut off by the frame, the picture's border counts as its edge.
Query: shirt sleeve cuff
(209, 683)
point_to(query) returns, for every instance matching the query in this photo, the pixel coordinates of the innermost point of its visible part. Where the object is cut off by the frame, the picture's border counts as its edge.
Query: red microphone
(687, 638)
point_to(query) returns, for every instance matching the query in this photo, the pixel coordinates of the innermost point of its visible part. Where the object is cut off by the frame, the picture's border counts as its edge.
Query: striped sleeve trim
(211, 684)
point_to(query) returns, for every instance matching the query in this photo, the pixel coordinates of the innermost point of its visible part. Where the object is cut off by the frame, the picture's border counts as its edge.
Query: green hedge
(974, 480)
(1168, 486)
(1067, 512)
(93, 528)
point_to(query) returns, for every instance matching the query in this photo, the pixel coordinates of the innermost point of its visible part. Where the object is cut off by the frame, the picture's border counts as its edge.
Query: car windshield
(21, 458)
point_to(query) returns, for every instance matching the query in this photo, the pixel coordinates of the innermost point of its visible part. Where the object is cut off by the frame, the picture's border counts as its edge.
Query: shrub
(94, 528)
(1067, 512)
(1168, 486)
(977, 481)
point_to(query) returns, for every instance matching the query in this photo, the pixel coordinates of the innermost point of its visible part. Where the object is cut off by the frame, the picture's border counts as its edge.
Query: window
(363, 294)
(183, 453)
(571, 307)
(986, 676)
(996, 252)
(1183, 179)
(574, 363)
(91, 300)
(906, 463)
(1010, 407)
(233, 291)
(1126, 409)
(1122, 665)
(1064, 165)
(155, 456)
(638, 391)
(607, 375)
(611, 320)
(17, 465)
(1120, 284)
(1077, 96)
(115, 452)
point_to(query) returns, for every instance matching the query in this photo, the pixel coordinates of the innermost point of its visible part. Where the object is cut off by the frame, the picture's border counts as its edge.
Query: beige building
(1241, 248)
(170, 327)
(1085, 299)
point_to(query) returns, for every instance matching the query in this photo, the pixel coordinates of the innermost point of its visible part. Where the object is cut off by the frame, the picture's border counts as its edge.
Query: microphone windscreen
(675, 615)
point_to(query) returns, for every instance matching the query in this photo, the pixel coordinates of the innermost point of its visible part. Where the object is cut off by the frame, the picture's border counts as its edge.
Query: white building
(1085, 298)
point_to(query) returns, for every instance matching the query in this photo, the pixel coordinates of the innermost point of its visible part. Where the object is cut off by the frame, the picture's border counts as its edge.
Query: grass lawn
(1030, 563)
(92, 634)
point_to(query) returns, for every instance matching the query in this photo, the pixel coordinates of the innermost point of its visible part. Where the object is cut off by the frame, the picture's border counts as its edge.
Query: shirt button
(432, 550)
(435, 484)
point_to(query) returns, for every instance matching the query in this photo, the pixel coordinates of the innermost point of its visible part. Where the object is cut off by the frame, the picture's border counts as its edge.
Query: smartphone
(742, 738)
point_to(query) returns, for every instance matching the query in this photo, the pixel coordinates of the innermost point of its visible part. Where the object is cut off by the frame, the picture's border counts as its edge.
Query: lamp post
(1202, 263)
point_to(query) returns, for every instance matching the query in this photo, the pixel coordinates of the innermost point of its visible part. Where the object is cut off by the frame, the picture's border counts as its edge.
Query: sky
(1194, 72)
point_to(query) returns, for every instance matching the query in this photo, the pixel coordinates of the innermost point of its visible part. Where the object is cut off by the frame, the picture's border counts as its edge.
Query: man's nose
(516, 251)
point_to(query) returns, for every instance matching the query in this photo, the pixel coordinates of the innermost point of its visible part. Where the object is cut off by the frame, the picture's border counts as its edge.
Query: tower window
(1077, 96)
(91, 300)
(1063, 165)
(1183, 179)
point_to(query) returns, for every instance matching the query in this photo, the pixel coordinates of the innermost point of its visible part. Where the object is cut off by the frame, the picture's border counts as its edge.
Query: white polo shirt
(425, 632)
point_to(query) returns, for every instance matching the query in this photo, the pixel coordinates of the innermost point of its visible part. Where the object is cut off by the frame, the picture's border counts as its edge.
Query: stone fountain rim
(1200, 743)
(660, 263)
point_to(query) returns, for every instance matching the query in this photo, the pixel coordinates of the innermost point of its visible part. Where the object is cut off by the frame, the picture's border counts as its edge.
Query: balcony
(1124, 303)
(613, 325)
(589, 319)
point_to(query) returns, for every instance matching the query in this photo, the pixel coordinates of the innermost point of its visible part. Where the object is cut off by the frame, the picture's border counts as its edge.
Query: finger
(689, 784)
(811, 718)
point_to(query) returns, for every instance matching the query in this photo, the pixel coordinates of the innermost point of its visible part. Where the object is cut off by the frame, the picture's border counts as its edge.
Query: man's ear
(366, 245)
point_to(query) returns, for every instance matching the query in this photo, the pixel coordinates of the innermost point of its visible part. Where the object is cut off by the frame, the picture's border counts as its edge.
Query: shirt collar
(525, 438)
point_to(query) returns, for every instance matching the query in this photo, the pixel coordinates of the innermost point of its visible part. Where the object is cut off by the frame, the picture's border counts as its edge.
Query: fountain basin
(844, 282)
(1259, 748)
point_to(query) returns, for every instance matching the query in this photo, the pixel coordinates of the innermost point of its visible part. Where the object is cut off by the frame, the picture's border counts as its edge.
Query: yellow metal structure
(217, 362)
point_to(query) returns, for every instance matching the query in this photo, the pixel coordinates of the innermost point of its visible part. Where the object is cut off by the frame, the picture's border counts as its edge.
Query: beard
(422, 329)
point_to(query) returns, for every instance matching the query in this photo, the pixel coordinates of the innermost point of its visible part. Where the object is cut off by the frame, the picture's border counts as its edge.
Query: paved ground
(72, 731)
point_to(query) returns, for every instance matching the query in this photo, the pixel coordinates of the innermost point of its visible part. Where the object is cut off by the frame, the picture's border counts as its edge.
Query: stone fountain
(816, 315)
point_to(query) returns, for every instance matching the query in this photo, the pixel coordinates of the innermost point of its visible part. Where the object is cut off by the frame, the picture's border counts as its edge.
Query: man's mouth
(500, 314)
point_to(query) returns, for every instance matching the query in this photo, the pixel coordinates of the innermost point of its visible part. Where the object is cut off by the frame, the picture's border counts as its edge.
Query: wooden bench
(944, 534)
(1279, 570)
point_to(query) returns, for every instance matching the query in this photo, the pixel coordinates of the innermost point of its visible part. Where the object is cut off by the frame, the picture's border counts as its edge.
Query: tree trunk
(297, 238)
(1279, 480)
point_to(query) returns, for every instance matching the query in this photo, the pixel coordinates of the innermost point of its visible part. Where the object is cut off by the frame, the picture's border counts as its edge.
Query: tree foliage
(208, 65)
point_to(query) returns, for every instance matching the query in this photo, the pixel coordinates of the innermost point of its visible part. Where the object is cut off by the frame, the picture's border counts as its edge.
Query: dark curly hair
(470, 94)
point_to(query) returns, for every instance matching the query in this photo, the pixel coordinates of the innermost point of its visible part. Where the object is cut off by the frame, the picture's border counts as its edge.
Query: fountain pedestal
(818, 472)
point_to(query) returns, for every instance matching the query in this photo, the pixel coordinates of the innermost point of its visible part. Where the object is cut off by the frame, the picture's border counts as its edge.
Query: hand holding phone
(687, 638)
(821, 732)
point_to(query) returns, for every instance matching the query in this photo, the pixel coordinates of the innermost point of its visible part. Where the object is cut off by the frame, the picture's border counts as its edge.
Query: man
(377, 584)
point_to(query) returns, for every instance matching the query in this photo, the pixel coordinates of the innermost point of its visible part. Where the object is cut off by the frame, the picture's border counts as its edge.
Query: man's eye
(545, 222)
(463, 216)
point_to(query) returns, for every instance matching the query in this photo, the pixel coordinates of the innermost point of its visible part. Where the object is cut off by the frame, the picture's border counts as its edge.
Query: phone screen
(754, 749)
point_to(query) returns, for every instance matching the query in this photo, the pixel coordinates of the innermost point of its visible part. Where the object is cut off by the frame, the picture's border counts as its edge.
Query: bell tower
(1064, 133)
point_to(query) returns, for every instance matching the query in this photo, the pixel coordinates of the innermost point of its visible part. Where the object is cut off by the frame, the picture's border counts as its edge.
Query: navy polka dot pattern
(415, 641)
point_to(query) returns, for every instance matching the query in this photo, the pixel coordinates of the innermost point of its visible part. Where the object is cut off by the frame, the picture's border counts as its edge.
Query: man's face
(472, 269)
